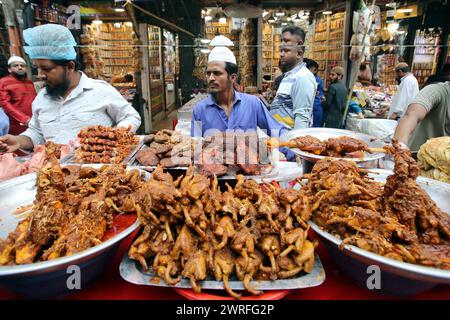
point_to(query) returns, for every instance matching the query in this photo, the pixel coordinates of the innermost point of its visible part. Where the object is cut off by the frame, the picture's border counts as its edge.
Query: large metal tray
(48, 278)
(128, 160)
(397, 277)
(132, 272)
(326, 133)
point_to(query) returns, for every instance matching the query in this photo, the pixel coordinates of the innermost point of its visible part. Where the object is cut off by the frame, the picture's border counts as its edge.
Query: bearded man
(16, 95)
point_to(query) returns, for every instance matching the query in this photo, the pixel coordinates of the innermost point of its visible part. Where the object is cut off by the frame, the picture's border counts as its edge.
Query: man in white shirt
(70, 100)
(406, 92)
(293, 103)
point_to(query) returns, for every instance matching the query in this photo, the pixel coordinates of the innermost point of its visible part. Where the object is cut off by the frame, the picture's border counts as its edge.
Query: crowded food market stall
(161, 160)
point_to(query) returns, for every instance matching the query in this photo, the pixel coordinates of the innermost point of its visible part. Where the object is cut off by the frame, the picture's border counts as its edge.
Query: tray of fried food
(249, 238)
(391, 219)
(226, 154)
(313, 144)
(106, 145)
(167, 148)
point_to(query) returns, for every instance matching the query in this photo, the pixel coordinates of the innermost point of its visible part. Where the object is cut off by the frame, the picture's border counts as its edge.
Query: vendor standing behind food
(293, 104)
(334, 106)
(70, 100)
(225, 108)
(427, 116)
(406, 92)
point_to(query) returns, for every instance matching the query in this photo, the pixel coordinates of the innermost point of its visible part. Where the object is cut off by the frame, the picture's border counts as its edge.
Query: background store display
(426, 54)
(328, 43)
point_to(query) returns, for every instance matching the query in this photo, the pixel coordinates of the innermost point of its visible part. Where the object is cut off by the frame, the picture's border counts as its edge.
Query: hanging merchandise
(361, 24)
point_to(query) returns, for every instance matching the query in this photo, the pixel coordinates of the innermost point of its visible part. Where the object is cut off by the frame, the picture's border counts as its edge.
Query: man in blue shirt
(226, 109)
(4, 122)
(313, 66)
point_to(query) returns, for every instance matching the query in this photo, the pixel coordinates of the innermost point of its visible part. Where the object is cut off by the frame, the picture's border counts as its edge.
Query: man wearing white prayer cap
(69, 100)
(16, 95)
(226, 109)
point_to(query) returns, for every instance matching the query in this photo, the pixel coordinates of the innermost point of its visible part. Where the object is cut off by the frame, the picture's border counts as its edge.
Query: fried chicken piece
(337, 147)
(18, 248)
(225, 229)
(210, 170)
(195, 269)
(305, 143)
(140, 249)
(224, 261)
(270, 245)
(166, 268)
(246, 269)
(269, 207)
(147, 157)
(306, 258)
(185, 245)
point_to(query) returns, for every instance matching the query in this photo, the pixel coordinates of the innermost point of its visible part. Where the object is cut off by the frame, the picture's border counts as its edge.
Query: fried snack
(100, 144)
(194, 230)
(398, 220)
(434, 159)
(340, 147)
(74, 207)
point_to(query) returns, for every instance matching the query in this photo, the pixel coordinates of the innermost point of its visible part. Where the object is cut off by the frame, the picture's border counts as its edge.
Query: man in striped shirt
(293, 104)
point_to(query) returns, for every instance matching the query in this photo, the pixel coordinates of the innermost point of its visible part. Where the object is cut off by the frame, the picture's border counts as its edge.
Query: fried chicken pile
(167, 148)
(74, 207)
(238, 149)
(398, 220)
(100, 144)
(333, 147)
(192, 229)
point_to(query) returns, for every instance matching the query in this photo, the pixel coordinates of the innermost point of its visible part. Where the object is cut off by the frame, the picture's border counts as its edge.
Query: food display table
(336, 286)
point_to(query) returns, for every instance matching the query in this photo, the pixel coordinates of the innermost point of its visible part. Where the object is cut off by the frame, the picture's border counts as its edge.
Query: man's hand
(9, 143)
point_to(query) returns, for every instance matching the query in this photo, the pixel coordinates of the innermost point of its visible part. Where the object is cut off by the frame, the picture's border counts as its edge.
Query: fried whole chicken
(398, 220)
(73, 209)
(244, 232)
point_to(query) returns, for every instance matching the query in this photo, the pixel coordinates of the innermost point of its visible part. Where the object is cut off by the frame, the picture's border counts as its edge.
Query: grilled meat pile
(237, 149)
(398, 220)
(74, 206)
(333, 147)
(192, 229)
(166, 148)
(100, 144)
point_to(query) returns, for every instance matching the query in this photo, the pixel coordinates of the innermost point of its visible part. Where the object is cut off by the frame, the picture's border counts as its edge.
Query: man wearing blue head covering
(70, 100)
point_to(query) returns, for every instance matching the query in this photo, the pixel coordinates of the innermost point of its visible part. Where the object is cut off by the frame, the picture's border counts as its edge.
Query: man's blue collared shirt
(247, 114)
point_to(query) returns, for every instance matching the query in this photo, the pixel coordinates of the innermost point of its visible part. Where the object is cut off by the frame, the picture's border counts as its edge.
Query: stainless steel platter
(48, 278)
(132, 272)
(397, 277)
(326, 133)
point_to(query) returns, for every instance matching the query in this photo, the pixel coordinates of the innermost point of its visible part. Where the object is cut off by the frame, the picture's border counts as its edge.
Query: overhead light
(205, 41)
(119, 9)
(223, 20)
(117, 25)
(288, 19)
(279, 13)
(405, 10)
(205, 50)
(305, 17)
(128, 24)
(97, 20)
(265, 13)
(208, 18)
(327, 12)
(401, 32)
(306, 13)
(297, 18)
(284, 24)
(271, 19)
